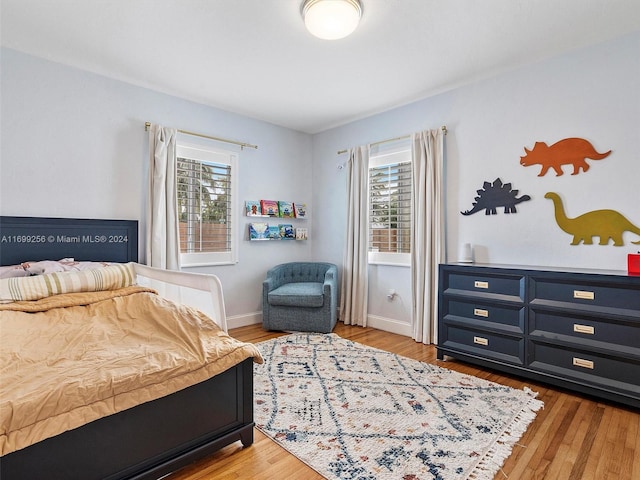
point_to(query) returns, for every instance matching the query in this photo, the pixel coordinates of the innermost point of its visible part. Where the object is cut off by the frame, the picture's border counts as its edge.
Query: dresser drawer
(573, 328)
(586, 367)
(620, 297)
(487, 283)
(501, 315)
(587, 330)
(504, 348)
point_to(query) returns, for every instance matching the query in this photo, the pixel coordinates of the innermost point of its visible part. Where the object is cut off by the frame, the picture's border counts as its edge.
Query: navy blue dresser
(577, 329)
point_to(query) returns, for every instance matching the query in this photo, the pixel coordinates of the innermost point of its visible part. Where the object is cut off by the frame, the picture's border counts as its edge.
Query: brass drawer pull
(587, 329)
(479, 284)
(581, 362)
(481, 341)
(479, 312)
(584, 295)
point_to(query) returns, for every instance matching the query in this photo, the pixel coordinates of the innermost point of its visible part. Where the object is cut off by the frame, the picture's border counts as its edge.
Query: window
(206, 181)
(390, 207)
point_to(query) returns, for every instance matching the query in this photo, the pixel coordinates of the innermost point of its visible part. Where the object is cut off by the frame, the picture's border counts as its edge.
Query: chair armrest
(330, 281)
(273, 280)
(331, 276)
(268, 284)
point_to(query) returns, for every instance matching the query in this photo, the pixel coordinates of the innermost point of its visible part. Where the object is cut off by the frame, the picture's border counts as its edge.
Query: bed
(133, 440)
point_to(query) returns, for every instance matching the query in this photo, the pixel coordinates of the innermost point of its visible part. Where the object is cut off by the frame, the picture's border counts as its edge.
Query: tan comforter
(70, 359)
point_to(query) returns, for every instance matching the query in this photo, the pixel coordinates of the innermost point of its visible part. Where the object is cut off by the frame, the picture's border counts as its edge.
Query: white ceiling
(254, 57)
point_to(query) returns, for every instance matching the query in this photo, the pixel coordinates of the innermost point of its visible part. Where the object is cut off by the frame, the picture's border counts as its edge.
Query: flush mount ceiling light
(331, 19)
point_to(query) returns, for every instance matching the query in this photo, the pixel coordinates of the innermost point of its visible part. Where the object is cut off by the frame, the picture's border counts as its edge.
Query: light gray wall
(74, 145)
(591, 93)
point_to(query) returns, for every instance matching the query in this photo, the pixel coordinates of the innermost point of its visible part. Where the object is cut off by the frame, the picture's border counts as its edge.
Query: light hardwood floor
(573, 437)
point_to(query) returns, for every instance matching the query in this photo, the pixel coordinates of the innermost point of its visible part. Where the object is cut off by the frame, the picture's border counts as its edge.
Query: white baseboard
(373, 321)
(389, 325)
(243, 320)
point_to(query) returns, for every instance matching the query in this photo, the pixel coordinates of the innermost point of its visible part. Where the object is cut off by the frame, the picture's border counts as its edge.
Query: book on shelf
(258, 231)
(300, 210)
(287, 232)
(301, 234)
(269, 207)
(285, 209)
(253, 208)
(273, 233)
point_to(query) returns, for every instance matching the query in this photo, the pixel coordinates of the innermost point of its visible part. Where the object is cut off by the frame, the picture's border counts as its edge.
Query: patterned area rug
(353, 412)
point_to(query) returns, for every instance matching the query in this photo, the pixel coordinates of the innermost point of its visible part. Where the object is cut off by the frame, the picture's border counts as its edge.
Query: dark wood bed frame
(144, 442)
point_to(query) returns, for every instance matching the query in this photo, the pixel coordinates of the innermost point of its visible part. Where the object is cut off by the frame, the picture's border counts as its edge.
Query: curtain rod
(186, 132)
(340, 152)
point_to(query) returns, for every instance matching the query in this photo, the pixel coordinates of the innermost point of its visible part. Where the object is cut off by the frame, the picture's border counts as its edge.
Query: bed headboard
(25, 239)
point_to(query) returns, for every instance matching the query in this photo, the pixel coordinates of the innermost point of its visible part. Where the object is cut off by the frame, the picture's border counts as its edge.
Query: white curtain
(427, 236)
(163, 247)
(355, 278)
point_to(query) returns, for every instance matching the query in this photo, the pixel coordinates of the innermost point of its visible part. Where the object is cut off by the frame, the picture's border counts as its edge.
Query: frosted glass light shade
(331, 19)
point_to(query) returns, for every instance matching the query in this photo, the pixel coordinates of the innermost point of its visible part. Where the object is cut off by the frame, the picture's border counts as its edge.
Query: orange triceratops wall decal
(570, 151)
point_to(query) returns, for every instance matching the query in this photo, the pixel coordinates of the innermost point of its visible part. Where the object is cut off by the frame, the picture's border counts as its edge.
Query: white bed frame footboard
(198, 290)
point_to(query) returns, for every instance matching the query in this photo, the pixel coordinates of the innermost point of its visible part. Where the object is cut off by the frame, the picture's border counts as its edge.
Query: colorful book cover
(253, 208)
(286, 232)
(300, 210)
(258, 231)
(274, 232)
(269, 207)
(285, 209)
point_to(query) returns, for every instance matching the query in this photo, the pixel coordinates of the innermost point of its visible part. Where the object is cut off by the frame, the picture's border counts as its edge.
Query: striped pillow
(34, 288)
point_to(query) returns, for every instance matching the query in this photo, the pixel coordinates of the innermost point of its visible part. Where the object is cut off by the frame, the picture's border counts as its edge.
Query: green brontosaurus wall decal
(606, 224)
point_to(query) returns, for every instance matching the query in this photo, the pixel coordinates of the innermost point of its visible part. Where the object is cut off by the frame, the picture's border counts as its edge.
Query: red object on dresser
(633, 263)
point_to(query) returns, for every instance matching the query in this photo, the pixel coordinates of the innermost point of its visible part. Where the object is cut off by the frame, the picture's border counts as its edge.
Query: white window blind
(390, 208)
(206, 190)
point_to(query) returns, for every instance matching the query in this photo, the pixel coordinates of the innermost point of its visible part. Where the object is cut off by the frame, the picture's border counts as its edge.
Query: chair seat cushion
(298, 294)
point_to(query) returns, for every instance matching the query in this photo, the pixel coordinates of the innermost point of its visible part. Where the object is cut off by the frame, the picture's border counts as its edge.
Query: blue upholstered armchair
(300, 296)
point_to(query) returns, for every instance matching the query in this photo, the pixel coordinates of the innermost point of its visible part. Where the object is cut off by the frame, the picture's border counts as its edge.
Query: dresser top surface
(540, 268)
